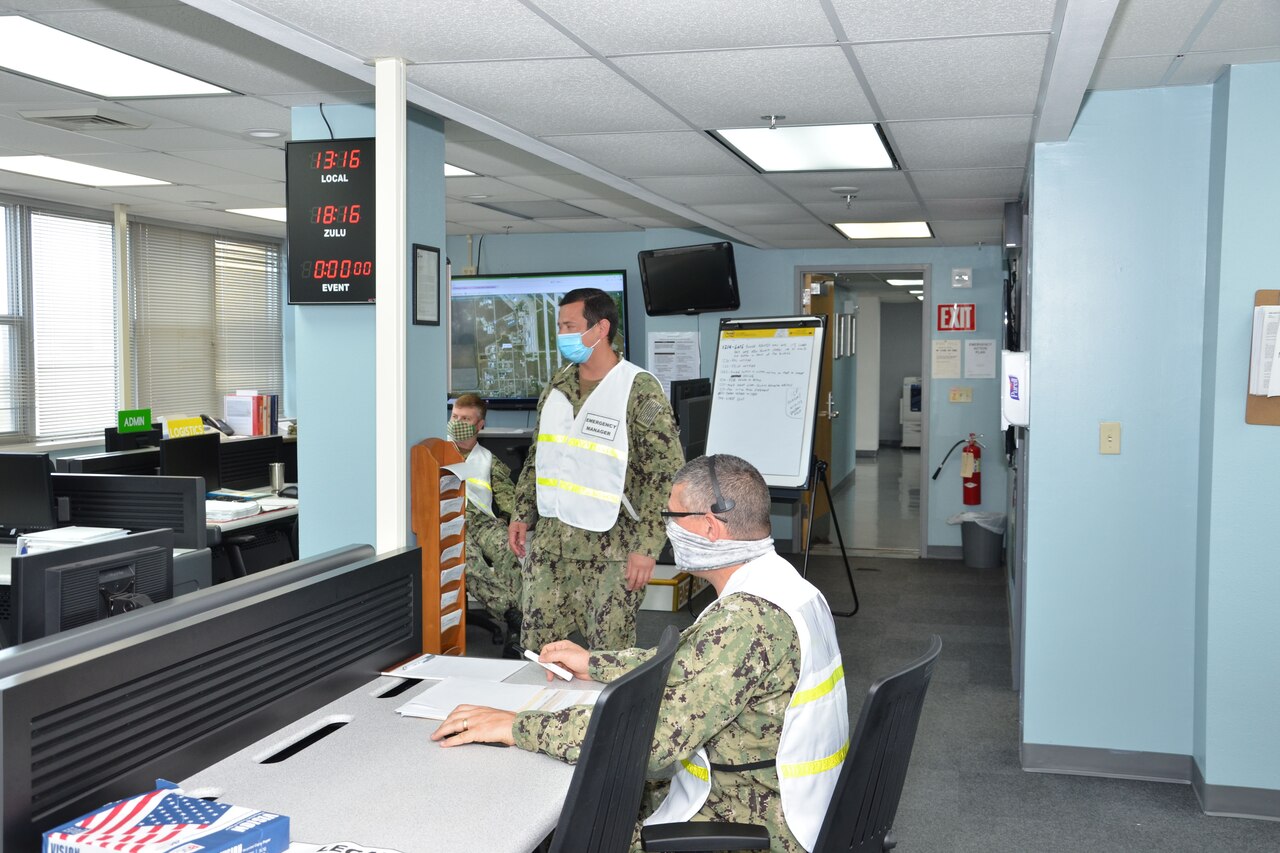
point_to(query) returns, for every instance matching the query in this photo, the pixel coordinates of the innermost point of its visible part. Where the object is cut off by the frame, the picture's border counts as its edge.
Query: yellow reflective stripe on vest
(484, 484)
(582, 444)
(697, 770)
(553, 483)
(821, 689)
(812, 768)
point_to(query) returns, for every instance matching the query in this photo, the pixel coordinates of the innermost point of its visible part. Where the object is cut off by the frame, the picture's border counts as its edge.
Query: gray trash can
(982, 548)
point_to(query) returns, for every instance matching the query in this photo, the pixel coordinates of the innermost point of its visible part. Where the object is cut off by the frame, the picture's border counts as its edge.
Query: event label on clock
(330, 193)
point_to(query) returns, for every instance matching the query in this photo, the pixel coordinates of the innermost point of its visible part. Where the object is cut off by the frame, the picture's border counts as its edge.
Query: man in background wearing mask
(493, 575)
(594, 482)
(754, 716)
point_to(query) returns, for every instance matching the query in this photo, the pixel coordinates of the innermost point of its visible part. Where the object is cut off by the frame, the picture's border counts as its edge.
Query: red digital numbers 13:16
(331, 159)
(336, 268)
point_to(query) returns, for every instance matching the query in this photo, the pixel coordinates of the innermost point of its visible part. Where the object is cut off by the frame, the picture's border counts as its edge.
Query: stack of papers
(229, 510)
(444, 666)
(66, 537)
(1264, 356)
(436, 702)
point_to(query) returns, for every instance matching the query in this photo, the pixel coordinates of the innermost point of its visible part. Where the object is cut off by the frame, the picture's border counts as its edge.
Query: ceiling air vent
(82, 120)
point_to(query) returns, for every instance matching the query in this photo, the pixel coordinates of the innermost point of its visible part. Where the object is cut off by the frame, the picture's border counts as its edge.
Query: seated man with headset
(762, 655)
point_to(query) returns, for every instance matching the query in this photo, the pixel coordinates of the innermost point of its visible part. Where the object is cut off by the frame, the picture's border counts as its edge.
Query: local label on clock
(330, 221)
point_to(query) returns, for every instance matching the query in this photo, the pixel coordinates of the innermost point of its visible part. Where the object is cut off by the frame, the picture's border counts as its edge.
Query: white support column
(391, 319)
(124, 332)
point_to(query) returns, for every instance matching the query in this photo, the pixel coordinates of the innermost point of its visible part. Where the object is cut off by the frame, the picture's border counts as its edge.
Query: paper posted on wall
(1264, 354)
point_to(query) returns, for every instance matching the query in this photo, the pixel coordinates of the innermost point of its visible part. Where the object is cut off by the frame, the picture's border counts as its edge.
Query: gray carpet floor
(965, 790)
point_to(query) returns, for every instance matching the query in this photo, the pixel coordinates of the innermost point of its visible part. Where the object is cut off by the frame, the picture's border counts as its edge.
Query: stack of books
(251, 413)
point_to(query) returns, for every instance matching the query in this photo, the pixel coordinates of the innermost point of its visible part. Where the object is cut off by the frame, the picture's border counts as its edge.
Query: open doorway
(874, 409)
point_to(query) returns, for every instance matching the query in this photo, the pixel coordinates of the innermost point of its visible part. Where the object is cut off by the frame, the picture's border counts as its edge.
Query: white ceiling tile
(1152, 27)
(166, 168)
(966, 208)
(1198, 68)
(310, 99)
(504, 226)
(812, 85)
(948, 78)
(177, 139)
(611, 27)
(1137, 72)
(458, 211)
(774, 233)
(742, 214)
(193, 42)
(815, 187)
(263, 162)
(962, 143)
(834, 210)
(970, 183)
(719, 189)
(38, 6)
(147, 198)
(16, 89)
(1241, 25)
(667, 221)
(227, 113)
(495, 189)
(566, 186)
(497, 159)
(956, 232)
(616, 208)
(549, 96)
(632, 155)
(272, 193)
(428, 32)
(40, 139)
(591, 225)
(876, 20)
(43, 188)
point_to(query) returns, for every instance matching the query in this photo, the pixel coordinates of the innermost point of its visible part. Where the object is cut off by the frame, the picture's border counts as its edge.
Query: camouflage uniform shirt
(730, 683)
(653, 457)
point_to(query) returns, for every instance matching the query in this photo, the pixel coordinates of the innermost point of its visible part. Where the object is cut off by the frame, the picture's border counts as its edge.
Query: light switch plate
(962, 277)
(1109, 437)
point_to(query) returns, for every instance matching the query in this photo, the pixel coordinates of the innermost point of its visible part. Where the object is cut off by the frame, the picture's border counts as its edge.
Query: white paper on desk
(446, 666)
(336, 847)
(448, 599)
(450, 506)
(448, 576)
(437, 701)
(452, 527)
(448, 483)
(450, 620)
(453, 552)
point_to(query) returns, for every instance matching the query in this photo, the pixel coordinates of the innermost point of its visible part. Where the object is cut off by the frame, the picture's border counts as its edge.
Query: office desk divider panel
(144, 460)
(437, 515)
(245, 461)
(100, 712)
(137, 503)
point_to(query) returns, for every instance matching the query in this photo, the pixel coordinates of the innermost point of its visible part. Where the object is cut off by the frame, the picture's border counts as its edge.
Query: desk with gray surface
(380, 781)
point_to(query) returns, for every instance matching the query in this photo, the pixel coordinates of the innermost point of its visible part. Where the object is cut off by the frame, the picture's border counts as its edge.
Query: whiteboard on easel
(764, 395)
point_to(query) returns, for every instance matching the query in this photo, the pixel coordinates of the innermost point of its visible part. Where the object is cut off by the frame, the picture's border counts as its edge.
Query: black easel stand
(820, 473)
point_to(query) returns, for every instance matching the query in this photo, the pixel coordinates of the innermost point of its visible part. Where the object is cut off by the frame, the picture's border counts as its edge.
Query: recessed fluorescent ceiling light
(276, 214)
(74, 173)
(814, 148)
(66, 60)
(921, 298)
(451, 171)
(904, 282)
(884, 230)
(915, 292)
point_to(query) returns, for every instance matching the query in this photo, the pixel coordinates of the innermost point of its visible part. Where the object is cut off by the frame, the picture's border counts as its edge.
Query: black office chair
(865, 801)
(603, 802)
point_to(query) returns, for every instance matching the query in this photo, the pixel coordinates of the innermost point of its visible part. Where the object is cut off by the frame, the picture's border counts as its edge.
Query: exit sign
(957, 317)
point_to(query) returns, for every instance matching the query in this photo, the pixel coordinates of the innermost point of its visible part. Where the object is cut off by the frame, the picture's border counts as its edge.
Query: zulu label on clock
(330, 221)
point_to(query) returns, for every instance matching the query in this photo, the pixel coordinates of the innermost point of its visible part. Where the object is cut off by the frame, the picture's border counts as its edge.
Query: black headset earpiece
(722, 504)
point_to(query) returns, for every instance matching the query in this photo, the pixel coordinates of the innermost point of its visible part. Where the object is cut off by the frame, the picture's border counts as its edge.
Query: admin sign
(957, 317)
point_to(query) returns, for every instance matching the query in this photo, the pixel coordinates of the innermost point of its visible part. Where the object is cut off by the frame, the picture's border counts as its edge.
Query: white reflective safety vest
(815, 727)
(479, 479)
(581, 461)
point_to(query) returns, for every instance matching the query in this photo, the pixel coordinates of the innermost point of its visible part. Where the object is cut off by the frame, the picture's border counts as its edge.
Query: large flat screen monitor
(193, 456)
(114, 440)
(502, 331)
(56, 590)
(689, 279)
(26, 493)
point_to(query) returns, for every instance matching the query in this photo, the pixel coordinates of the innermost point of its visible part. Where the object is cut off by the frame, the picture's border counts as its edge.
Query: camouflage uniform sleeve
(654, 459)
(559, 734)
(608, 666)
(526, 490)
(504, 491)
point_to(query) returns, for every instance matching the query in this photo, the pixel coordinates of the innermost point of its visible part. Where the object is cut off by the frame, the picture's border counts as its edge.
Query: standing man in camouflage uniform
(762, 654)
(595, 482)
(493, 575)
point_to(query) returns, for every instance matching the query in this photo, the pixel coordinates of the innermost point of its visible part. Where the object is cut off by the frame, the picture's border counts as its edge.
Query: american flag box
(165, 821)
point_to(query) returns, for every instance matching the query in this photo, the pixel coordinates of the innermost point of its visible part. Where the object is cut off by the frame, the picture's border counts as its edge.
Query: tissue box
(165, 821)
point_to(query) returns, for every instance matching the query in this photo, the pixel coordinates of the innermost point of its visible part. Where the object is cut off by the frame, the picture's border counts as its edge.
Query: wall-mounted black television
(689, 279)
(502, 331)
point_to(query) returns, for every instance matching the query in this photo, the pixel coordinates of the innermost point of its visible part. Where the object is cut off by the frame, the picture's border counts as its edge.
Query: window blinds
(247, 306)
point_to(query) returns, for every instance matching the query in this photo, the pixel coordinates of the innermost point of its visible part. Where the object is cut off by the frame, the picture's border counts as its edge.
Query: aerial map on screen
(503, 330)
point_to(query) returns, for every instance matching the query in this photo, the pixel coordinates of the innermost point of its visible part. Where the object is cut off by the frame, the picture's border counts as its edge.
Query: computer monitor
(684, 388)
(55, 590)
(144, 461)
(26, 493)
(689, 279)
(116, 440)
(193, 456)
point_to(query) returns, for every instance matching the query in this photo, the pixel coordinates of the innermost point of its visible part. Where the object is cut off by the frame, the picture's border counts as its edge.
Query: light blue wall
(1237, 653)
(767, 280)
(1118, 290)
(334, 356)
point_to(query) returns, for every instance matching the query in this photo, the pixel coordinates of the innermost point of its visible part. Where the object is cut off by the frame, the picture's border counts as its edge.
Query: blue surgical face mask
(572, 347)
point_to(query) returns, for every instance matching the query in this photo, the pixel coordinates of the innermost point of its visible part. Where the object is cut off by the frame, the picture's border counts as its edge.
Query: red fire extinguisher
(970, 469)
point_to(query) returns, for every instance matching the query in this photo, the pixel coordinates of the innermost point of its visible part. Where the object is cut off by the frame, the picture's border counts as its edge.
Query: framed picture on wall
(426, 285)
